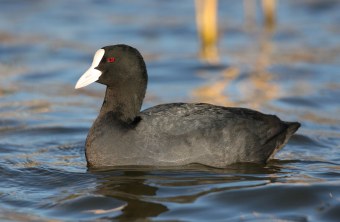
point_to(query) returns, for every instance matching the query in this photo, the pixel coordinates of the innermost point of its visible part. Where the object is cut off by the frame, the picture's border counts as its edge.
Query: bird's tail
(283, 137)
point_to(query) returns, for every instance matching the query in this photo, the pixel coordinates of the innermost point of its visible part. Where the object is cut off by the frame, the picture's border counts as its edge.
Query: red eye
(112, 59)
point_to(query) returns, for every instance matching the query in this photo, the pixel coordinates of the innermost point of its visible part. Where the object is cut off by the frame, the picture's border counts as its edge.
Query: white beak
(92, 74)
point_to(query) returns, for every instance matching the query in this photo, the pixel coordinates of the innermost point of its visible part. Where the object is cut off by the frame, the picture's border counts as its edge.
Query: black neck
(125, 102)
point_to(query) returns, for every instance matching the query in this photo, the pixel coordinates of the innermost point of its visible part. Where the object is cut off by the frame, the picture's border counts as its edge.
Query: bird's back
(214, 135)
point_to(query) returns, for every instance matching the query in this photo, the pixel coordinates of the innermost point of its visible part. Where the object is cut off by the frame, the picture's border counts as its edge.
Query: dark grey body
(172, 134)
(181, 133)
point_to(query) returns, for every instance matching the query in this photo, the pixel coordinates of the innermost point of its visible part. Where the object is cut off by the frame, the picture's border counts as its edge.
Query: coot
(170, 134)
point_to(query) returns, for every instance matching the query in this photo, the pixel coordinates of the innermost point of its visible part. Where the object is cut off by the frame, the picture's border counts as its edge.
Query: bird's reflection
(147, 192)
(132, 188)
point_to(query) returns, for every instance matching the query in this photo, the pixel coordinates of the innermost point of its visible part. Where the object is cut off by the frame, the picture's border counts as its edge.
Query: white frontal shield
(91, 75)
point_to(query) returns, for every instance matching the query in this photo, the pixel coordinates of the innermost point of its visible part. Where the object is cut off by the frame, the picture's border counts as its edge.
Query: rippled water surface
(292, 71)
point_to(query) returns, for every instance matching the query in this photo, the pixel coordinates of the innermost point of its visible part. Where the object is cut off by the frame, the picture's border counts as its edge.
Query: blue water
(292, 71)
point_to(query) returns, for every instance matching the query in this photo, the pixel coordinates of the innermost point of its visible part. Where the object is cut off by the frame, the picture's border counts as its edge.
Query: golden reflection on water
(214, 92)
(260, 87)
(264, 89)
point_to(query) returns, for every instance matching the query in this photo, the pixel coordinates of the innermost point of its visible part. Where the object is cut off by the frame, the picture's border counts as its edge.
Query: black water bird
(170, 134)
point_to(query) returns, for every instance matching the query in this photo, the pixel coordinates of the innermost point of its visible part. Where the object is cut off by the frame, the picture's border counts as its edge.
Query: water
(292, 72)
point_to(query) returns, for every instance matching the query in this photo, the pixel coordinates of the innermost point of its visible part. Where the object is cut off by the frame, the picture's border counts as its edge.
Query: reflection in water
(256, 90)
(213, 92)
(262, 88)
(132, 188)
(148, 192)
(249, 7)
(259, 88)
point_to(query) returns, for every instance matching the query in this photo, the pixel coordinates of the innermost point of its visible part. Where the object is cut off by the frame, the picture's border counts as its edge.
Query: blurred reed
(207, 23)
